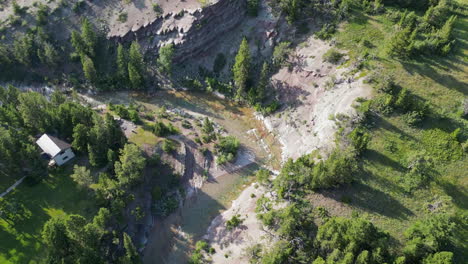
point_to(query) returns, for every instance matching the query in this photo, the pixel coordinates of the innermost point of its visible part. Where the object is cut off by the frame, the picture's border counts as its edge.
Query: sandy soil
(310, 93)
(234, 242)
(302, 125)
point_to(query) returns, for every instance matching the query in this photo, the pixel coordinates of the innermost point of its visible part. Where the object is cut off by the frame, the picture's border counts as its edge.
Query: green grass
(441, 81)
(143, 137)
(20, 242)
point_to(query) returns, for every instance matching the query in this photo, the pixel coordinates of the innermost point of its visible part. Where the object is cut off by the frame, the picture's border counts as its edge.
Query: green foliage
(162, 130)
(262, 176)
(157, 9)
(443, 257)
(332, 56)
(441, 145)
(122, 63)
(131, 253)
(234, 222)
(252, 7)
(168, 146)
(360, 139)
(129, 168)
(427, 237)
(82, 176)
(356, 236)
(89, 69)
(166, 56)
(278, 254)
(241, 68)
(122, 17)
(136, 66)
(70, 238)
(128, 113)
(24, 49)
(306, 174)
(226, 149)
(281, 53)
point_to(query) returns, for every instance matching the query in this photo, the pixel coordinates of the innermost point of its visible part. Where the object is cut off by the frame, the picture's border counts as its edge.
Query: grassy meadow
(442, 82)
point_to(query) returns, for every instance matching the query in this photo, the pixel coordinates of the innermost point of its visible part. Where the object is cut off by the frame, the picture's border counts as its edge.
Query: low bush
(332, 56)
(226, 149)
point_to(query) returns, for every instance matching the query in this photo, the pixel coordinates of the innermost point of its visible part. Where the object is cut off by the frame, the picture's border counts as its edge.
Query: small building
(57, 150)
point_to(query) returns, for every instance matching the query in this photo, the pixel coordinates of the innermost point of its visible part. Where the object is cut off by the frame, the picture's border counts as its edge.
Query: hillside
(234, 131)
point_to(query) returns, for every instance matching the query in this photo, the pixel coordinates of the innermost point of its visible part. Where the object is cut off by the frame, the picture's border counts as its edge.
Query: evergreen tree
(135, 66)
(80, 138)
(55, 237)
(136, 80)
(166, 54)
(89, 37)
(88, 69)
(262, 82)
(241, 68)
(400, 44)
(82, 176)
(131, 254)
(122, 63)
(130, 166)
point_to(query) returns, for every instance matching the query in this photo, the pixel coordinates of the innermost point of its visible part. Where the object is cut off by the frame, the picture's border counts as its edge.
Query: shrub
(252, 7)
(227, 149)
(122, 17)
(157, 9)
(234, 222)
(281, 53)
(168, 146)
(413, 118)
(161, 130)
(326, 32)
(332, 56)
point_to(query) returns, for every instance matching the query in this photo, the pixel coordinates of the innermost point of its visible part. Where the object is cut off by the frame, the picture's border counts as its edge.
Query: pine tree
(135, 56)
(122, 63)
(166, 55)
(241, 68)
(262, 82)
(135, 66)
(88, 69)
(80, 138)
(131, 254)
(134, 76)
(89, 36)
(400, 45)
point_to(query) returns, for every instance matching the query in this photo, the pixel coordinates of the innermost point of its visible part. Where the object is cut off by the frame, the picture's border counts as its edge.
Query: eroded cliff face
(191, 31)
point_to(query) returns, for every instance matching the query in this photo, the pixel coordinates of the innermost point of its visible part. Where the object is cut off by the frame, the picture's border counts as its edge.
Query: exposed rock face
(193, 33)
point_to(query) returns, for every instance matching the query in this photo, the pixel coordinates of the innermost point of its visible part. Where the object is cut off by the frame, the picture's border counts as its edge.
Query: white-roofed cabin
(59, 151)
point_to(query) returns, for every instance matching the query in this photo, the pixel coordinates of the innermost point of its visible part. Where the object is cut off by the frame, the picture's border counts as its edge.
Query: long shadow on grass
(457, 193)
(381, 122)
(427, 70)
(374, 156)
(371, 200)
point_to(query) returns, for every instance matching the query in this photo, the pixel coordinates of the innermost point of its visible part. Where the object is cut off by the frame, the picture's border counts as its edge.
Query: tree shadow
(457, 193)
(381, 122)
(289, 94)
(427, 70)
(373, 156)
(371, 200)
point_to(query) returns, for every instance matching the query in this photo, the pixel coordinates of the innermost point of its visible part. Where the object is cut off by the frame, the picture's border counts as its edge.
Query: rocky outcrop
(192, 32)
